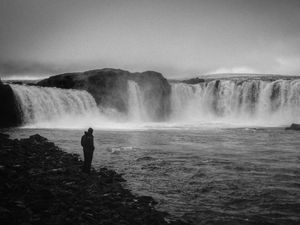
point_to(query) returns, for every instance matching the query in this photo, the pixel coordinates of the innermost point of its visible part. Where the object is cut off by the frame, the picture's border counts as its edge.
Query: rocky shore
(41, 184)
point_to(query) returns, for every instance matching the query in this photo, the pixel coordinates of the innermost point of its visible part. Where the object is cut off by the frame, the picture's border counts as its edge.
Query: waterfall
(243, 101)
(136, 103)
(54, 105)
(238, 101)
(44, 107)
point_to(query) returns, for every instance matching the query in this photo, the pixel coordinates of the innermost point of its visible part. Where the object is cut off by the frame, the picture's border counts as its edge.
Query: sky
(180, 39)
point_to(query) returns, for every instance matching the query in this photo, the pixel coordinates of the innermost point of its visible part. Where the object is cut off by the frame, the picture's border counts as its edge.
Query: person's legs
(85, 161)
(90, 158)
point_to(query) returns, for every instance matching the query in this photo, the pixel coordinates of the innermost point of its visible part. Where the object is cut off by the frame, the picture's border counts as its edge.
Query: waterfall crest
(247, 101)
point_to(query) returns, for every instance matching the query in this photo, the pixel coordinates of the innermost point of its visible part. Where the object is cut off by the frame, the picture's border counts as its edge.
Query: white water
(136, 108)
(251, 102)
(55, 107)
(231, 103)
(44, 107)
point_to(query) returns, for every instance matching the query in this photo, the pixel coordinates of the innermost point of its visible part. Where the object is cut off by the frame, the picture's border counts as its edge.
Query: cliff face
(109, 87)
(9, 113)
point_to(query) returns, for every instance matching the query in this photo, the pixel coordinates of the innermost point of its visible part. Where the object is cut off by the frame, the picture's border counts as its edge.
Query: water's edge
(45, 185)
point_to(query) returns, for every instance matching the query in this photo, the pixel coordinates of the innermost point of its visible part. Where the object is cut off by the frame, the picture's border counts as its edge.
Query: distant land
(21, 81)
(191, 79)
(247, 75)
(234, 76)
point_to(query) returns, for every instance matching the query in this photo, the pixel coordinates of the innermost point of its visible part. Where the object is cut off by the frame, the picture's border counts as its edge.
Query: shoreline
(42, 184)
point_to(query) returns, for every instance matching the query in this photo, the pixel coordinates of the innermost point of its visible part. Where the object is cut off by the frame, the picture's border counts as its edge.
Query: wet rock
(9, 110)
(146, 158)
(110, 176)
(4, 136)
(146, 200)
(294, 126)
(196, 80)
(37, 138)
(56, 170)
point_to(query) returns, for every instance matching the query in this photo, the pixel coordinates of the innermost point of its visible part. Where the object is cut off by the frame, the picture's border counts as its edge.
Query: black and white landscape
(207, 134)
(118, 99)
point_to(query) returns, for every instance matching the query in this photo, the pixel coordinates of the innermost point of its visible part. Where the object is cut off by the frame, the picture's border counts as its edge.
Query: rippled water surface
(211, 176)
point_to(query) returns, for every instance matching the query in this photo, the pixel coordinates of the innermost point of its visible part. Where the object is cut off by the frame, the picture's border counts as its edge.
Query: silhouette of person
(87, 142)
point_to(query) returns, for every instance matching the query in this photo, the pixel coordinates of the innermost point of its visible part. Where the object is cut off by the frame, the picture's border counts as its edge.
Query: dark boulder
(37, 138)
(196, 80)
(4, 136)
(109, 87)
(9, 111)
(294, 126)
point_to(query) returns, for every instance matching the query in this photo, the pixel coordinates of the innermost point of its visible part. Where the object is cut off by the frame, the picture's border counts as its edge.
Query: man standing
(87, 142)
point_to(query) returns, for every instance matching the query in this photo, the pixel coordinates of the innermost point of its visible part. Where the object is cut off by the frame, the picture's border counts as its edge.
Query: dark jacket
(87, 141)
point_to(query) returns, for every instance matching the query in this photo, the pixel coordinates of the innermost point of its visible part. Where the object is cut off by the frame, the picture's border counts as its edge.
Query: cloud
(23, 77)
(237, 70)
(289, 65)
(176, 38)
(29, 69)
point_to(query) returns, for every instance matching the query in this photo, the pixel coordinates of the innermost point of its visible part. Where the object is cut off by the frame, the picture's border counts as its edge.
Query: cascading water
(43, 107)
(52, 106)
(136, 108)
(237, 101)
(66, 108)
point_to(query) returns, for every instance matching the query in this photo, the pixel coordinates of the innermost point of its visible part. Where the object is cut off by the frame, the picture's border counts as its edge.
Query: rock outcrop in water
(9, 113)
(41, 184)
(294, 126)
(109, 87)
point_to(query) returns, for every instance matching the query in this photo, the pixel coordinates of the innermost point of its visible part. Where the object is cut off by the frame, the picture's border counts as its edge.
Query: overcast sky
(177, 38)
